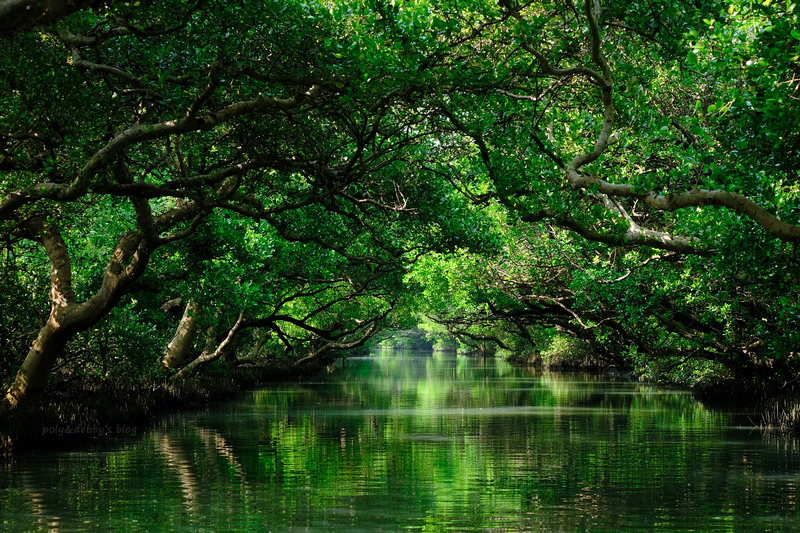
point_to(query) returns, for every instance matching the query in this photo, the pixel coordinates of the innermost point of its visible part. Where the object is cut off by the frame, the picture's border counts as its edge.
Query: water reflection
(426, 444)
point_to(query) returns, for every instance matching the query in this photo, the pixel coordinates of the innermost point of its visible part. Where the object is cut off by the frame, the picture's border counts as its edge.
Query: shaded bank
(775, 407)
(78, 412)
(75, 413)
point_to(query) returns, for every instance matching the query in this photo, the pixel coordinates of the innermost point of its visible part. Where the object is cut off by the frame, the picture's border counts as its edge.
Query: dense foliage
(276, 182)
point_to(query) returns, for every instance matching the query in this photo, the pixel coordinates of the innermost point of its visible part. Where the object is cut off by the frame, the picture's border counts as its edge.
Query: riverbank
(76, 412)
(773, 408)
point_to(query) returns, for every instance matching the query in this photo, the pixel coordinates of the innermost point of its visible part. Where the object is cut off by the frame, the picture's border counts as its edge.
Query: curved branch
(372, 328)
(634, 236)
(564, 72)
(665, 257)
(476, 337)
(141, 133)
(693, 198)
(49, 236)
(208, 357)
(594, 31)
(602, 78)
(81, 63)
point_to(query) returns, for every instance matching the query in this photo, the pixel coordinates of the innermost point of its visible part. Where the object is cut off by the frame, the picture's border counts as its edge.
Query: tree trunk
(128, 261)
(262, 340)
(206, 356)
(41, 357)
(67, 317)
(179, 349)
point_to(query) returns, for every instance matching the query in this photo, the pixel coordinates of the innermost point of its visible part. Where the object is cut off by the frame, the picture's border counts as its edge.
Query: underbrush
(567, 353)
(783, 416)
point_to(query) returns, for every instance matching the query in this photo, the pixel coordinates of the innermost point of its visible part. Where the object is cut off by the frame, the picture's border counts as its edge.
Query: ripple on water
(426, 447)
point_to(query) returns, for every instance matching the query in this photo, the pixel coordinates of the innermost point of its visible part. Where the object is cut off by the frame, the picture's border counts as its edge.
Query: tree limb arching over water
(302, 177)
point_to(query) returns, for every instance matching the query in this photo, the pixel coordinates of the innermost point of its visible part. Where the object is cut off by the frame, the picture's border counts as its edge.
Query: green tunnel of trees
(194, 183)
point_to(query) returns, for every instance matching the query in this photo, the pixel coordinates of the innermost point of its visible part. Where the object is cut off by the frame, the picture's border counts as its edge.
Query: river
(411, 443)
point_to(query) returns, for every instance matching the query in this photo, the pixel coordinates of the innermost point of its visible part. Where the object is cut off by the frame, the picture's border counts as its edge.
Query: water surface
(421, 444)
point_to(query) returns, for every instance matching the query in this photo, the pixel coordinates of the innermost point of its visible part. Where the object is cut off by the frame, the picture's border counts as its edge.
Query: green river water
(401, 443)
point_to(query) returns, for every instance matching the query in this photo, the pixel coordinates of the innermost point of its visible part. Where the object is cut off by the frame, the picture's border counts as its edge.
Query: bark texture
(179, 349)
(67, 317)
(208, 356)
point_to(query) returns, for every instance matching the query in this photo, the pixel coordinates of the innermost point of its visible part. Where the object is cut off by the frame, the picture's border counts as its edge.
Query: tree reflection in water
(423, 443)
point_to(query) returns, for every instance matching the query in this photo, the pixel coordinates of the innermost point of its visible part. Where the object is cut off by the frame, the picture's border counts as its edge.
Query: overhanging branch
(693, 198)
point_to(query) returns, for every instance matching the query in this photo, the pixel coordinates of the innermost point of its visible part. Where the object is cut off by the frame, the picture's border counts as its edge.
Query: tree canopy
(280, 181)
